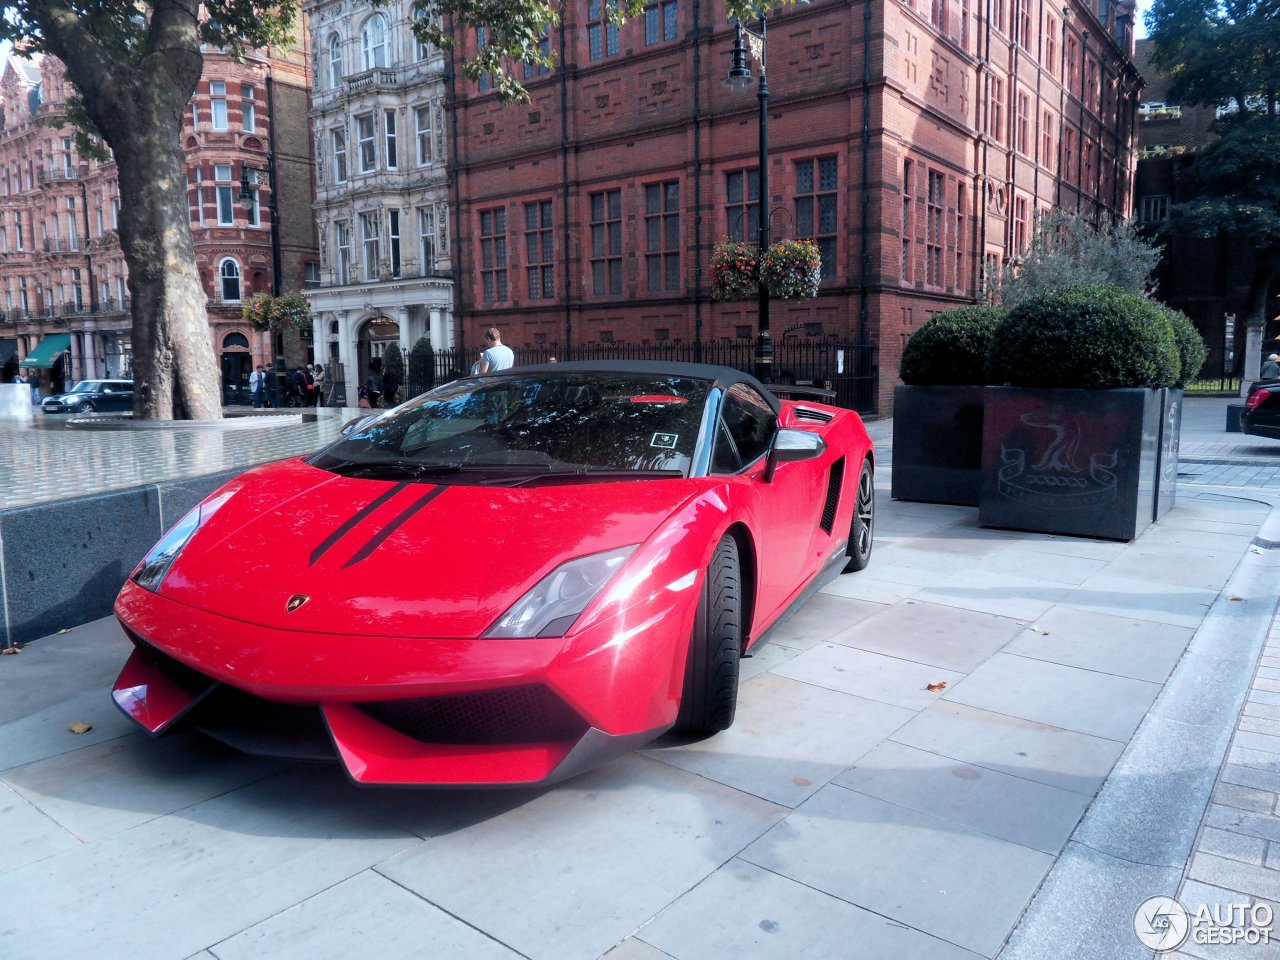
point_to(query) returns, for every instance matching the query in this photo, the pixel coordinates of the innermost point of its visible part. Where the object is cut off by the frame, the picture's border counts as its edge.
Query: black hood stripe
(377, 539)
(349, 525)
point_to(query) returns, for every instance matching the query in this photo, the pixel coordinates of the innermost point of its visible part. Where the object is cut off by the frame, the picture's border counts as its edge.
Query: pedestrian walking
(258, 387)
(318, 377)
(497, 356)
(1271, 369)
(373, 385)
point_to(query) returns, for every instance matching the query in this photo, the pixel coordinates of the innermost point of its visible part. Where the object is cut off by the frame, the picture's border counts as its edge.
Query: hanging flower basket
(735, 270)
(792, 269)
(266, 312)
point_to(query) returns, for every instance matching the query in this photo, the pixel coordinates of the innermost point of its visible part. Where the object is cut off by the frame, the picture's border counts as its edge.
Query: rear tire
(710, 695)
(862, 529)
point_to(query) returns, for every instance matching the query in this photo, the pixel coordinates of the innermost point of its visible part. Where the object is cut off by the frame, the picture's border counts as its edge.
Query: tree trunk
(138, 104)
(175, 368)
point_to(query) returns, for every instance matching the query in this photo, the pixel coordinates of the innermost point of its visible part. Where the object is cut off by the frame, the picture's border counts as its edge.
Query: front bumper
(406, 710)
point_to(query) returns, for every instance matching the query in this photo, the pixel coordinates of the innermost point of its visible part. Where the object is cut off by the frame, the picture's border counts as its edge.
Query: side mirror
(355, 423)
(790, 445)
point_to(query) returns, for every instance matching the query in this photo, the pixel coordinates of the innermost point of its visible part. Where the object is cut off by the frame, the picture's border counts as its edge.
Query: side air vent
(812, 416)
(834, 482)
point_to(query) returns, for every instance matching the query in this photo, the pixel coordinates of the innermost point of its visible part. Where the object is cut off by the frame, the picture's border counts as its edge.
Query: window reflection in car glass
(571, 422)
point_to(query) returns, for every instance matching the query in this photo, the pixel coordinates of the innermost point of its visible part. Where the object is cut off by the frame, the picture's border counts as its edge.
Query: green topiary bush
(1191, 348)
(951, 348)
(1087, 336)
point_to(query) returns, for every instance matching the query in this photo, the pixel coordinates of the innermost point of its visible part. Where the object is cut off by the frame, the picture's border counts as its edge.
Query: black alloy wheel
(710, 694)
(862, 529)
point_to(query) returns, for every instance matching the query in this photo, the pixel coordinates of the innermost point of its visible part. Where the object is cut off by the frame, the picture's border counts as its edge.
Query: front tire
(862, 529)
(85, 407)
(710, 695)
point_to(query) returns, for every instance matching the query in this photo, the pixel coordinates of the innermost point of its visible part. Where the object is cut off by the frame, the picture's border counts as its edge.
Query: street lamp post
(249, 197)
(739, 78)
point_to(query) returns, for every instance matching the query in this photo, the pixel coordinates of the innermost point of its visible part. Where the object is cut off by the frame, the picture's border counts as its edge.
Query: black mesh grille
(833, 495)
(813, 416)
(528, 714)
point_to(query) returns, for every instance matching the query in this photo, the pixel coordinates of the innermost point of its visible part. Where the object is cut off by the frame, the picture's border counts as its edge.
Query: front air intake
(526, 714)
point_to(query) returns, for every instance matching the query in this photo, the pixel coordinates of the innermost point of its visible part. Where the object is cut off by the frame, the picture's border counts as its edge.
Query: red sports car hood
(375, 557)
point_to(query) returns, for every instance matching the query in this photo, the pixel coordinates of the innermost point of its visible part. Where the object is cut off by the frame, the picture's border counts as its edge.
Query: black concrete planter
(1078, 462)
(937, 444)
(1167, 465)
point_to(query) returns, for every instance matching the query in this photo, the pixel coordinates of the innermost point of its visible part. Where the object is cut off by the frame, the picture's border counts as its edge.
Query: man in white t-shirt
(497, 355)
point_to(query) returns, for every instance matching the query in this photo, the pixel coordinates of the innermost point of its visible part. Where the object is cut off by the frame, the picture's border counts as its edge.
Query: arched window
(229, 272)
(335, 61)
(235, 341)
(373, 42)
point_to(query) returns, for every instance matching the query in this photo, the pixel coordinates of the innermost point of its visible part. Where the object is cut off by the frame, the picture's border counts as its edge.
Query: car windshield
(547, 427)
(86, 386)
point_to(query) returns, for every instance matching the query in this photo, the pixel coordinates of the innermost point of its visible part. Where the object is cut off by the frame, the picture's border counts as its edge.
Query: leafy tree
(1067, 249)
(1234, 190)
(422, 366)
(1220, 53)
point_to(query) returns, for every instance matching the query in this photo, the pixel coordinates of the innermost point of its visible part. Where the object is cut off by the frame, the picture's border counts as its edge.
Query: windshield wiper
(594, 475)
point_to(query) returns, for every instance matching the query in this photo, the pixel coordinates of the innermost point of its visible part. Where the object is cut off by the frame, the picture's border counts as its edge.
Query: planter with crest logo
(1081, 462)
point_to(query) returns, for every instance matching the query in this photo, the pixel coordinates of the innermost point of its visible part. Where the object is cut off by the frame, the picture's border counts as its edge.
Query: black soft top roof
(722, 376)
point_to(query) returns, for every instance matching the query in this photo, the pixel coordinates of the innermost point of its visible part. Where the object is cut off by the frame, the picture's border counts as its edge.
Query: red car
(503, 581)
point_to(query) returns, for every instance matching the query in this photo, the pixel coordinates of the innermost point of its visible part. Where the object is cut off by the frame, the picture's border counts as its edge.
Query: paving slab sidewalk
(919, 751)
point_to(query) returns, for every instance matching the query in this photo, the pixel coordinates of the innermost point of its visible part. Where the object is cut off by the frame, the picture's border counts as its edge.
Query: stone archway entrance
(376, 334)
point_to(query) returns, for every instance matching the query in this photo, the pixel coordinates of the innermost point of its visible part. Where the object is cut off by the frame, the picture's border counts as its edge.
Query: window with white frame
(342, 243)
(339, 156)
(422, 132)
(389, 138)
(366, 138)
(393, 241)
(248, 110)
(1155, 209)
(73, 229)
(251, 211)
(373, 42)
(426, 240)
(223, 186)
(229, 276)
(421, 48)
(335, 61)
(218, 104)
(369, 244)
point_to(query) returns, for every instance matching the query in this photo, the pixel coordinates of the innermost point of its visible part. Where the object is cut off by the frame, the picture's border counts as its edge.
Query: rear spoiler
(789, 391)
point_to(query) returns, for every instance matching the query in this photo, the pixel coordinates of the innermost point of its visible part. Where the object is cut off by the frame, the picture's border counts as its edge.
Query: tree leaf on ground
(937, 687)
(78, 727)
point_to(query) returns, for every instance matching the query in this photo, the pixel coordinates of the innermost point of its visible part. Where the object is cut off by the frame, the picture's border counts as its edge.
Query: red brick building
(62, 272)
(916, 141)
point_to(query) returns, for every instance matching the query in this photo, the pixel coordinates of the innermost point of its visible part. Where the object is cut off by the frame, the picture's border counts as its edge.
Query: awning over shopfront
(42, 357)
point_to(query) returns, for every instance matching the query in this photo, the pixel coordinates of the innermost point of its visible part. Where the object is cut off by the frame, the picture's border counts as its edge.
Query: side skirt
(829, 572)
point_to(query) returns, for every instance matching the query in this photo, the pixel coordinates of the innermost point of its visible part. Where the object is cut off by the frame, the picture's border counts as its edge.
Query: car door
(786, 510)
(122, 396)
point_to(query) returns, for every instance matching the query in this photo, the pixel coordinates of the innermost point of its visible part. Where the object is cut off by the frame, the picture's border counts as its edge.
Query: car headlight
(558, 599)
(155, 565)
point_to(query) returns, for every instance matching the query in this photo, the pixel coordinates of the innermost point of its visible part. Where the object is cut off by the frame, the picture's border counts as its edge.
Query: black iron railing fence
(848, 369)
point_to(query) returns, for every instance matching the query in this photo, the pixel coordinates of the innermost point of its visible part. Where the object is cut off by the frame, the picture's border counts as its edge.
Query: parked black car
(90, 395)
(1261, 414)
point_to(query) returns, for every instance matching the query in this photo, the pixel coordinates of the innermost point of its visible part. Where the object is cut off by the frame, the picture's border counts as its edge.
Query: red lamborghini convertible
(503, 581)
